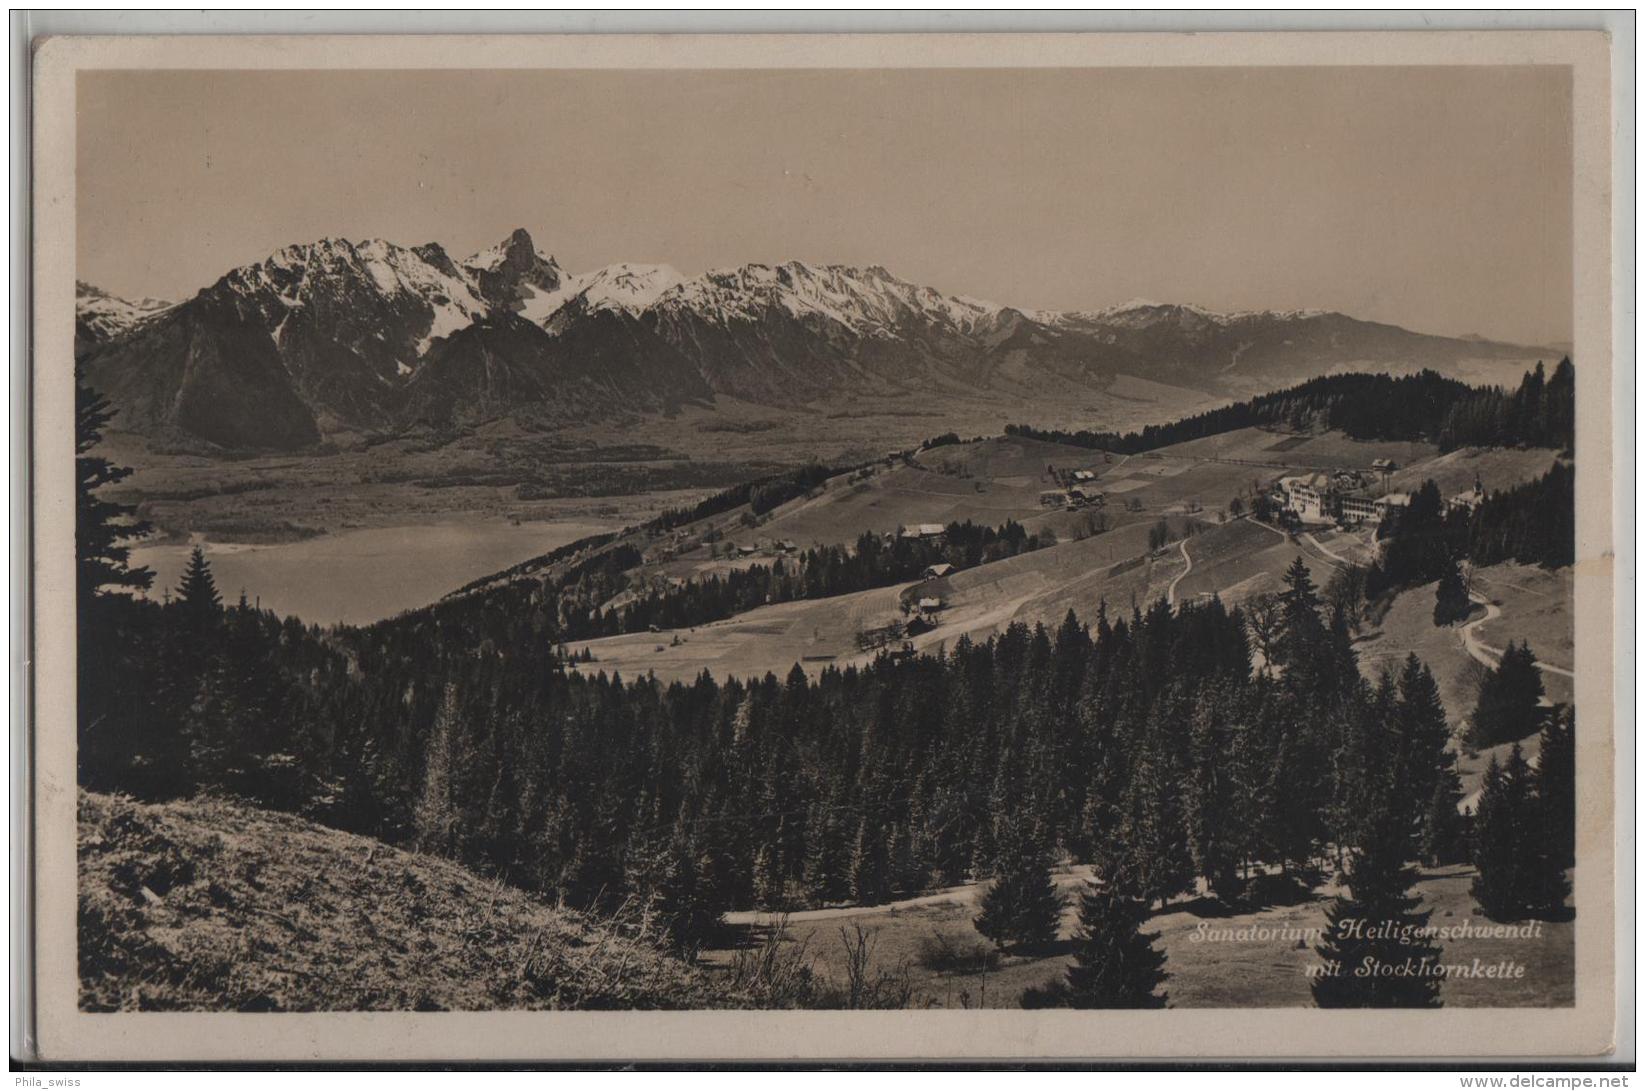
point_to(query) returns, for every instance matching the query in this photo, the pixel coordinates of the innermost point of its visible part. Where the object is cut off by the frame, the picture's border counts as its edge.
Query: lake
(361, 576)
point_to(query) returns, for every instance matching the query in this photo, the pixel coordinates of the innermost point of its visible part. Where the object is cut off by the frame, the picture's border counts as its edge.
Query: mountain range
(337, 337)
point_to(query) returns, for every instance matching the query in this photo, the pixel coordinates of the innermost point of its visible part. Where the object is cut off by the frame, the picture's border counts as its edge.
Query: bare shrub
(868, 986)
(946, 954)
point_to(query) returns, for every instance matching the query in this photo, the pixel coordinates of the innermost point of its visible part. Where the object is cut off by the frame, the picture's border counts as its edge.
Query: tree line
(1540, 412)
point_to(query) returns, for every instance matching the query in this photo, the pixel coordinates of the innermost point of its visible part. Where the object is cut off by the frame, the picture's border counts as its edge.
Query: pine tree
(1021, 906)
(1116, 964)
(1373, 953)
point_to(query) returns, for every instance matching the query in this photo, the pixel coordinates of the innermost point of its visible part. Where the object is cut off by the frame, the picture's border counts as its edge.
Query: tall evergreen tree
(1116, 964)
(1211, 793)
(197, 596)
(1427, 780)
(102, 528)
(1507, 708)
(1496, 855)
(1451, 602)
(1151, 844)
(436, 806)
(1373, 953)
(1556, 783)
(869, 866)
(1519, 876)
(1443, 837)
(1021, 905)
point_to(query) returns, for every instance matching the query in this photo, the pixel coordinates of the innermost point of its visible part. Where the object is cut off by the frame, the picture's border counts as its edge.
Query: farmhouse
(924, 530)
(937, 571)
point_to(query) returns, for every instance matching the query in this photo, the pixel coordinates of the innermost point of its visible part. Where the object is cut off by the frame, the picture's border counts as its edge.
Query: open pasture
(1253, 959)
(1279, 450)
(1496, 467)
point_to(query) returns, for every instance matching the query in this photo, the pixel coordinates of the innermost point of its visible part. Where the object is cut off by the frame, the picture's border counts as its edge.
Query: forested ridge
(1540, 412)
(571, 606)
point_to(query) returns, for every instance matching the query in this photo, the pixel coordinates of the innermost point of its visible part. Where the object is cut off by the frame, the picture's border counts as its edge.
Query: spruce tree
(1556, 783)
(1518, 876)
(102, 528)
(1427, 775)
(1021, 906)
(1451, 602)
(1373, 954)
(1151, 845)
(1442, 839)
(1211, 788)
(1495, 855)
(1116, 964)
(769, 888)
(869, 866)
(436, 815)
(1508, 709)
(197, 595)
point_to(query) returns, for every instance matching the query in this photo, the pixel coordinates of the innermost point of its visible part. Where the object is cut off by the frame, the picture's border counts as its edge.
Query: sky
(1439, 199)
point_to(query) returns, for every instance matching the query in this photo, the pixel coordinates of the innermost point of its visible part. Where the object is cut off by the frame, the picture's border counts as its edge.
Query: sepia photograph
(830, 537)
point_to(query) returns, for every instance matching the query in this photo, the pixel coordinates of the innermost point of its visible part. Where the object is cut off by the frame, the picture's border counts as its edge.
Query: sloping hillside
(209, 906)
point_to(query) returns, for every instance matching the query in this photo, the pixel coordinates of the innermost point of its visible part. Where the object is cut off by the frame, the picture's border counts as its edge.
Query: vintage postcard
(1019, 546)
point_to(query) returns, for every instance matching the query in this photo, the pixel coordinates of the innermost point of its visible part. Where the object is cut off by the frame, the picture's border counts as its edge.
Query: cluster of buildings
(1077, 489)
(1351, 497)
(1345, 496)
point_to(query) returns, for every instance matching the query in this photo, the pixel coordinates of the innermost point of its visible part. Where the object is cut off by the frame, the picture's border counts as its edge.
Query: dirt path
(1323, 548)
(1486, 654)
(965, 894)
(1171, 591)
(1331, 558)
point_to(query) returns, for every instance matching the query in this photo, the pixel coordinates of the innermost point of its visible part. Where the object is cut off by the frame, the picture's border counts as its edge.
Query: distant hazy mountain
(335, 336)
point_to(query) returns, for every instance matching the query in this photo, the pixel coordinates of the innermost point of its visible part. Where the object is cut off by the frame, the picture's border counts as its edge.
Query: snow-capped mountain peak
(627, 287)
(864, 300)
(100, 316)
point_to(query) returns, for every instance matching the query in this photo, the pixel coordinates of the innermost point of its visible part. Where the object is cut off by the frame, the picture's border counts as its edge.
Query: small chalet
(938, 571)
(924, 531)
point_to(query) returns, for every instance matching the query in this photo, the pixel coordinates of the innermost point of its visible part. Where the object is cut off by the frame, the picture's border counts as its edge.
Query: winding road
(1171, 591)
(1486, 654)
